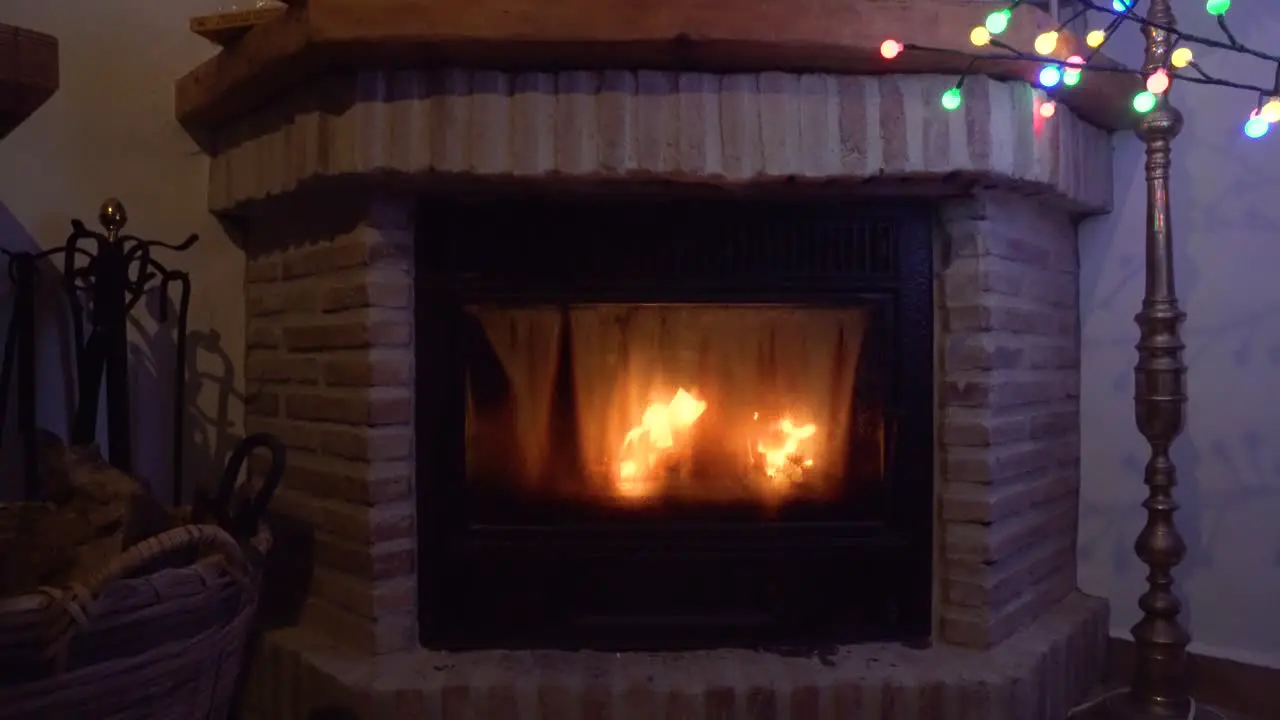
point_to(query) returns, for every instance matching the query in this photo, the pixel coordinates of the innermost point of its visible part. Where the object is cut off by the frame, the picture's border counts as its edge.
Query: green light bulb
(1071, 77)
(1217, 7)
(998, 21)
(951, 99)
(1144, 101)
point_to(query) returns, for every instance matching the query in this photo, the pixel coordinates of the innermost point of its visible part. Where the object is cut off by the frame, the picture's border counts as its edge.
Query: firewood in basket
(111, 502)
(96, 513)
(30, 548)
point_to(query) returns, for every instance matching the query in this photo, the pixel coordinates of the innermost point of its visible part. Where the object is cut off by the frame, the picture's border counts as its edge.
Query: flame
(778, 456)
(646, 444)
(782, 455)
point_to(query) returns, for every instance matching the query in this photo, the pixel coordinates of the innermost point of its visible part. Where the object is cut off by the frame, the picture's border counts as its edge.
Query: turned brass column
(1159, 686)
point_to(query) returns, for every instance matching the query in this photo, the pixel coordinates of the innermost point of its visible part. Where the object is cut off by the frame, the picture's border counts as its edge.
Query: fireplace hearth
(648, 422)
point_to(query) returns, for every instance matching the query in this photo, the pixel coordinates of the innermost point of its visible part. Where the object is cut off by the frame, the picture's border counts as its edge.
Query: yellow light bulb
(1046, 42)
(1271, 111)
(980, 36)
(1181, 57)
(1095, 38)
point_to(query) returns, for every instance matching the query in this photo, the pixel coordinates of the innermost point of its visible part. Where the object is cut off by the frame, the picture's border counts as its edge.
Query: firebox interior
(654, 422)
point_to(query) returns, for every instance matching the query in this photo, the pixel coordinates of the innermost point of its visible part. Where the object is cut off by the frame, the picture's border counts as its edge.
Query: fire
(647, 444)
(784, 461)
(777, 455)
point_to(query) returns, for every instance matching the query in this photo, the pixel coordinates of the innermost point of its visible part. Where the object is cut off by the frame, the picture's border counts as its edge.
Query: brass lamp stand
(1159, 687)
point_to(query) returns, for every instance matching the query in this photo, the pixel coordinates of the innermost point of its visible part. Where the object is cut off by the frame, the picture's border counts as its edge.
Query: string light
(1271, 110)
(1256, 126)
(1070, 72)
(998, 21)
(1046, 42)
(1158, 82)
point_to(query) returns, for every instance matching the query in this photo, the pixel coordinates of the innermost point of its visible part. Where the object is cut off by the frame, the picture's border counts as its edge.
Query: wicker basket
(160, 633)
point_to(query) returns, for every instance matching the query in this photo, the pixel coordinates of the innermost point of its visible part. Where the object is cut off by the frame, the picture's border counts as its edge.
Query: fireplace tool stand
(20, 357)
(103, 285)
(1159, 687)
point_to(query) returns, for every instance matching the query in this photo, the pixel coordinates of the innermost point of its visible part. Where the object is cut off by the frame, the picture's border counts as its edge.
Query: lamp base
(1118, 705)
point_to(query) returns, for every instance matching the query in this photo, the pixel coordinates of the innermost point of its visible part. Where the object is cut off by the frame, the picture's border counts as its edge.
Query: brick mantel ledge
(422, 128)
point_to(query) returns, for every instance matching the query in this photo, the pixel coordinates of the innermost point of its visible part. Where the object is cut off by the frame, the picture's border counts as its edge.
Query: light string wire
(1181, 64)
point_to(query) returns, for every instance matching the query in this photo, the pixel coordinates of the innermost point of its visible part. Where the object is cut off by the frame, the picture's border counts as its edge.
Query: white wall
(1226, 224)
(110, 131)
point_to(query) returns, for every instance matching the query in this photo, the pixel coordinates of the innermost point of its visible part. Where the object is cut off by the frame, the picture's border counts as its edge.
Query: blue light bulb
(1256, 127)
(1050, 76)
(1121, 5)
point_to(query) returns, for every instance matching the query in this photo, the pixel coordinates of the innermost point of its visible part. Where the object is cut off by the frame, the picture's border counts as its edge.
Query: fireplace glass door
(662, 412)
(650, 422)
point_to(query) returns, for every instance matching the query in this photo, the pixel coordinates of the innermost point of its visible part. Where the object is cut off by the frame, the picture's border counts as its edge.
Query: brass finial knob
(1161, 124)
(112, 215)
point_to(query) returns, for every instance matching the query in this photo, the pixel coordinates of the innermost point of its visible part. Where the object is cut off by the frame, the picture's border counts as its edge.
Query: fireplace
(531, 326)
(663, 422)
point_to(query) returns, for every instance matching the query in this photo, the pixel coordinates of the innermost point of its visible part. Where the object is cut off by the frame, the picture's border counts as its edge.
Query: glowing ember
(647, 444)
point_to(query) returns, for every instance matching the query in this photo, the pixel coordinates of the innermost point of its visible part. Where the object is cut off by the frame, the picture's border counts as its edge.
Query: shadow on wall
(1226, 224)
(153, 380)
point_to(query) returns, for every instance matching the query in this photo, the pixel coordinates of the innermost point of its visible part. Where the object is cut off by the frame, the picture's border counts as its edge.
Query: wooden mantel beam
(28, 74)
(841, 36)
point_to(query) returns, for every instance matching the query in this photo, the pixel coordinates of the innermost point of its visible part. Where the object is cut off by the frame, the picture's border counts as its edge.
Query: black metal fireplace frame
(782, 584)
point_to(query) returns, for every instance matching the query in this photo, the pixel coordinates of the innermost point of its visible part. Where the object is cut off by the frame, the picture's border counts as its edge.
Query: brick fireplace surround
(326, 177)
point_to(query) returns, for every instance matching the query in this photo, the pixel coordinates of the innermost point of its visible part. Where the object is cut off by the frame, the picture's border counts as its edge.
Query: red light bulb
(1048, 108)
(1158, 82)
(890, 49)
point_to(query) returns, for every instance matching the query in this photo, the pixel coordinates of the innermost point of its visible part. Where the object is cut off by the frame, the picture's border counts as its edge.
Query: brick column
(1009, 415)
(330, 371)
